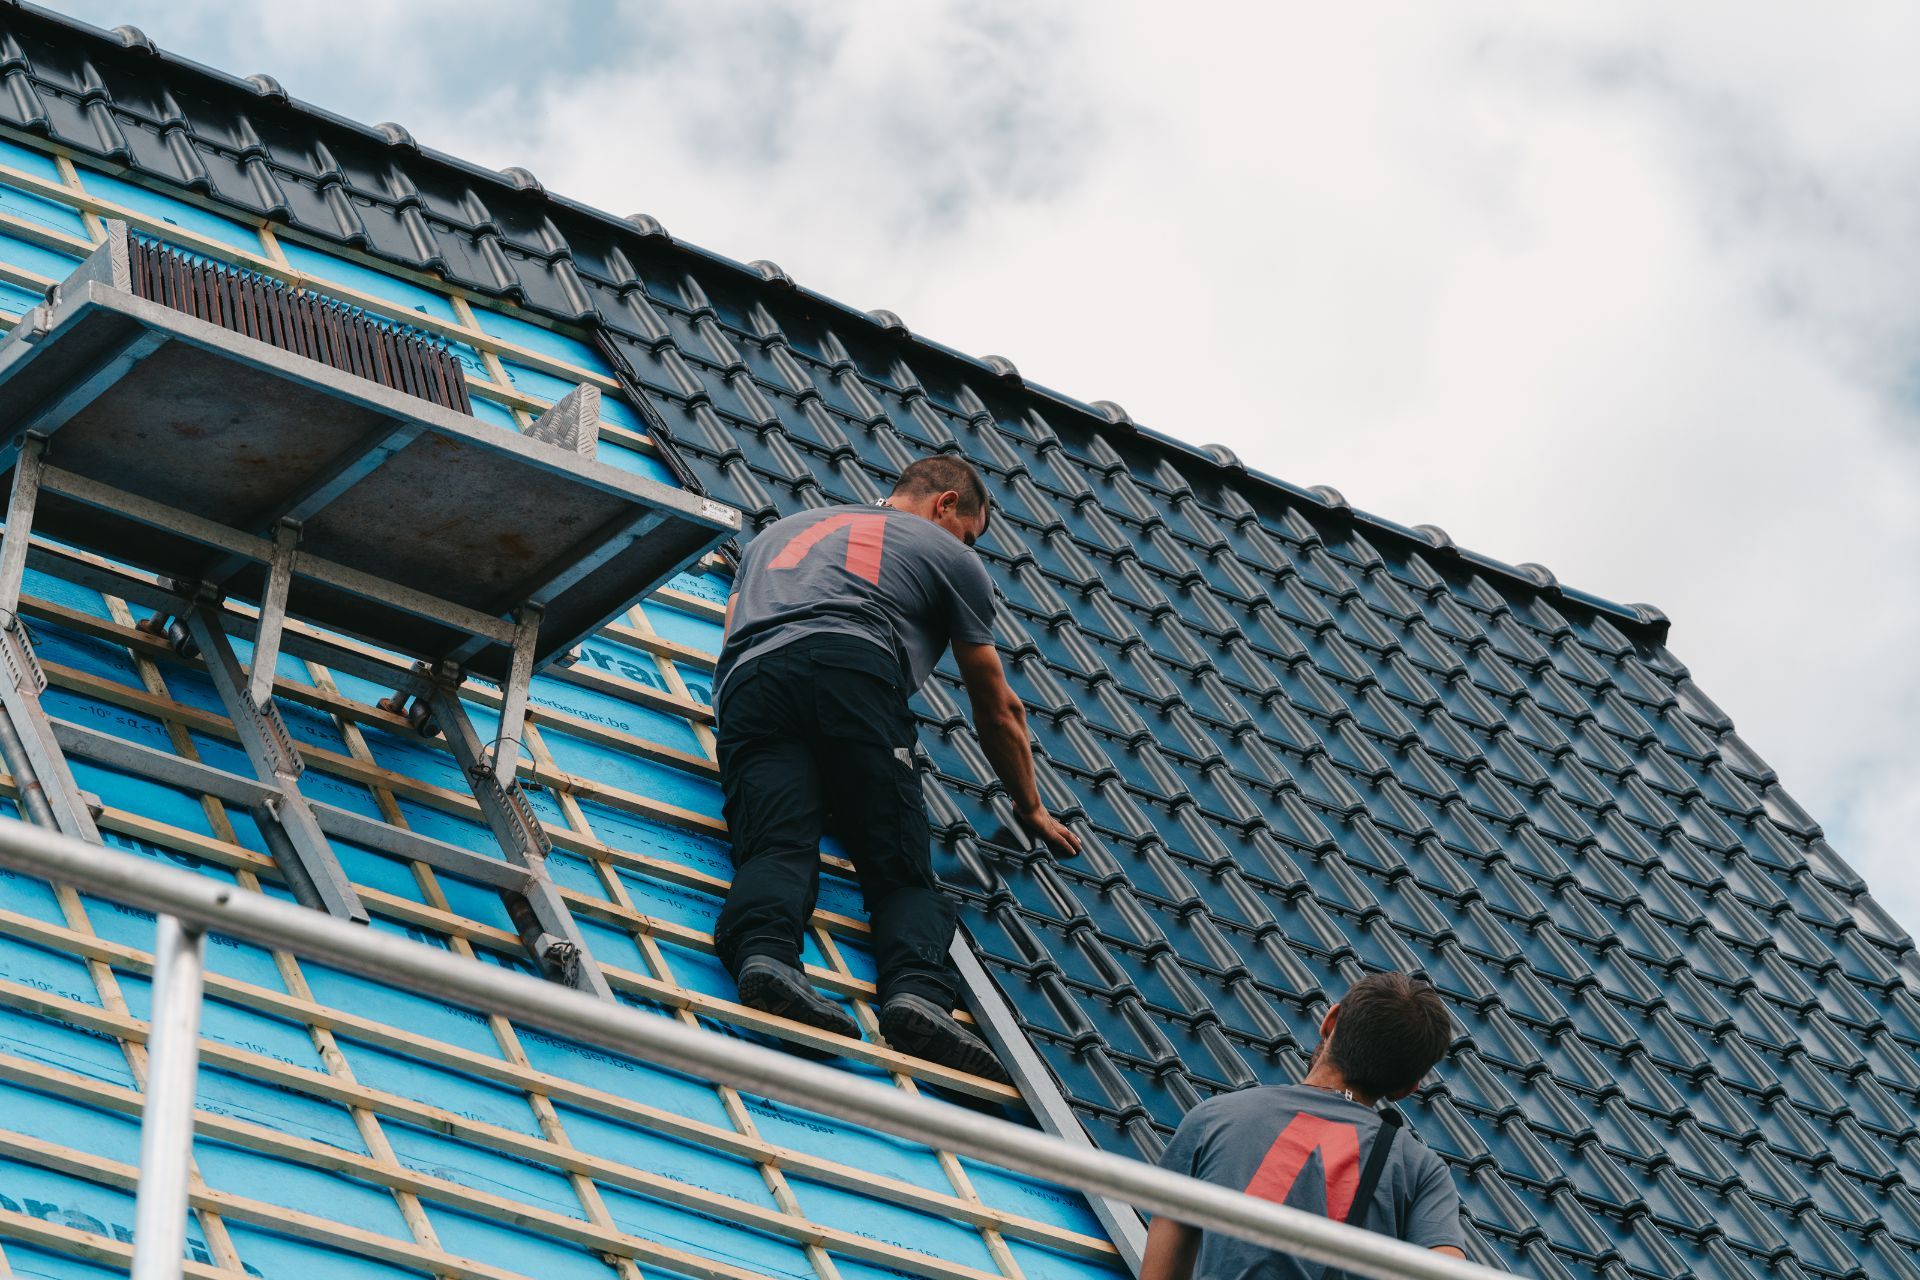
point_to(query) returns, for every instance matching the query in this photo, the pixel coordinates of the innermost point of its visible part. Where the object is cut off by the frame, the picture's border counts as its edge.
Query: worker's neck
(1325, 1075)
(922, 508)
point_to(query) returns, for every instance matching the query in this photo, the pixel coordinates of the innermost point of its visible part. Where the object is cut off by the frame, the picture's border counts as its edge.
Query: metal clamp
(23, 669)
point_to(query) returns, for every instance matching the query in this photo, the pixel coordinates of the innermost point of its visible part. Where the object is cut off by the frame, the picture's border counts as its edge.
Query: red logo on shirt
(866, 538)
(1339, 1148)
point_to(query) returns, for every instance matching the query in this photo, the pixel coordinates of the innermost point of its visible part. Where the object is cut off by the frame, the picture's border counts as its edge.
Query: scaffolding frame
(296, 828)
(75, 351)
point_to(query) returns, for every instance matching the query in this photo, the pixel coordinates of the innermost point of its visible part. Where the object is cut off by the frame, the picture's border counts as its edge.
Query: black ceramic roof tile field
(1303, 742)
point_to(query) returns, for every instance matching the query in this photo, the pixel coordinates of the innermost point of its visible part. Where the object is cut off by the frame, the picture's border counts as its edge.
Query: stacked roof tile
(1302, 741)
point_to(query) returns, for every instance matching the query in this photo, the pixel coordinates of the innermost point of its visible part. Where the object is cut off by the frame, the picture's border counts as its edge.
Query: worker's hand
(1043, 826)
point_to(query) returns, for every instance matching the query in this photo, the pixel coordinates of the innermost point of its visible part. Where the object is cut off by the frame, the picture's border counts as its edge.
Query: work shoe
(772, 987)
(916, 1025)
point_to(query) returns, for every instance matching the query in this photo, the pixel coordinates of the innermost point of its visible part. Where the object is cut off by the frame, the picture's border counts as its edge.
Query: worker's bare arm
(1001, 723)
(1450, 1250)
(1171, 1249)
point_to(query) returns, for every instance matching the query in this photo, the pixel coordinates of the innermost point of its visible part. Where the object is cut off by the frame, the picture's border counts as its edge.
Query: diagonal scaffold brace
(547, 928)
(287, 821)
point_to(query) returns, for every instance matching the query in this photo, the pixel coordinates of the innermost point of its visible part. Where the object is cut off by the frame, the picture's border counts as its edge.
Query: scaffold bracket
(273, 614)
(292, 831)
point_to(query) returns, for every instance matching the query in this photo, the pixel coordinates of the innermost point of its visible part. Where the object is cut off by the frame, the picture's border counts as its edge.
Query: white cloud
(1622, 289)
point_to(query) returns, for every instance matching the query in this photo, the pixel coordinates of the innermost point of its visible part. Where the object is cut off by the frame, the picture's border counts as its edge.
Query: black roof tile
(1301, 740)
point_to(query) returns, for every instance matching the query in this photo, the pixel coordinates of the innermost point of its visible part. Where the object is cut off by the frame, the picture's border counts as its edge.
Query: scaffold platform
(206, 448)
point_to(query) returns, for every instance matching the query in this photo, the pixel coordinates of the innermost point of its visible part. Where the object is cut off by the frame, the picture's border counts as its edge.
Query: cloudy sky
(1624, 289)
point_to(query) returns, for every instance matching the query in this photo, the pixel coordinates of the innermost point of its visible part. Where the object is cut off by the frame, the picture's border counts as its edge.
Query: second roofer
(836, 618)
(1319, 1145)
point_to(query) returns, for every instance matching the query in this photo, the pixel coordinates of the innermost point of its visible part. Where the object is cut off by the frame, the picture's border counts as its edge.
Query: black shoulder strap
(1369, 1178)
(1376, 1165)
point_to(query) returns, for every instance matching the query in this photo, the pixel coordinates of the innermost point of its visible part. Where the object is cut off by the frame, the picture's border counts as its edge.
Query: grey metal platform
(186, 448)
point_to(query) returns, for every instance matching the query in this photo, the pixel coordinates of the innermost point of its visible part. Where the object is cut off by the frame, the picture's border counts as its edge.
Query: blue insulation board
(376, 1077)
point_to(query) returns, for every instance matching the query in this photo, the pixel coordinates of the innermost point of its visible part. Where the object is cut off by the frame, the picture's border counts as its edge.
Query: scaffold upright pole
(166, 1114)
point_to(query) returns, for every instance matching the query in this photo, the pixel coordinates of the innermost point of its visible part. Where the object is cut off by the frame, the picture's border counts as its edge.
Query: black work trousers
(816, 736)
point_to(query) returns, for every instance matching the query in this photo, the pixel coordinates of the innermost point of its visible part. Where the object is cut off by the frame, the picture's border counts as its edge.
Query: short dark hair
(1392, 1028)
(938, 474)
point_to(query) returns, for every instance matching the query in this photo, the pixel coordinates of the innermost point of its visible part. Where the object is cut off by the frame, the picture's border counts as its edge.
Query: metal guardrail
(189, 906)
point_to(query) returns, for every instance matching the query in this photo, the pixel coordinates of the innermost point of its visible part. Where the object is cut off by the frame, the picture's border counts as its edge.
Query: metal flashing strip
(1002, 1029)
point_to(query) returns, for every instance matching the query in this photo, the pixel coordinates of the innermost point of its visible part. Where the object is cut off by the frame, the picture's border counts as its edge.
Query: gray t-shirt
(1306, 1148)
(883, 575)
